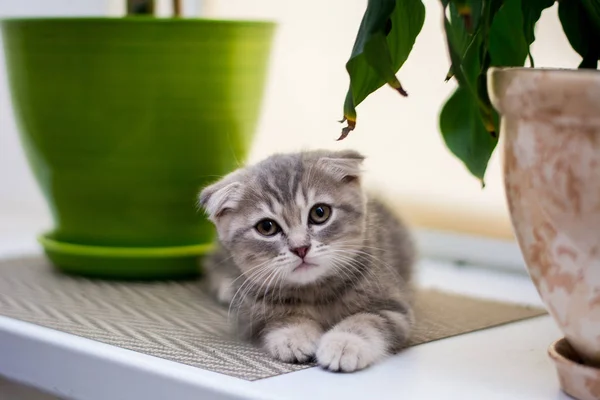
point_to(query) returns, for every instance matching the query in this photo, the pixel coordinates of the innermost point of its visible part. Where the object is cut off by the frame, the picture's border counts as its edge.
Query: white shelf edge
(66, 365)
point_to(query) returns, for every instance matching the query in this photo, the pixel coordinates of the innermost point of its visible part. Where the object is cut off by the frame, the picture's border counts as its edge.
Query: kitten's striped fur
(349, 309)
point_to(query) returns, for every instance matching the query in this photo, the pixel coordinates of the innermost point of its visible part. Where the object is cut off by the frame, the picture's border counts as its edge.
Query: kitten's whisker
(263, 272)
(353, 259)
(277, 272)
(258, 293)
(252, 272)
(358, 267)
(362, 246)
(253, 268)
(348, 274)
(339, 265)
(248, 283)
(374, 258)
(284, 275)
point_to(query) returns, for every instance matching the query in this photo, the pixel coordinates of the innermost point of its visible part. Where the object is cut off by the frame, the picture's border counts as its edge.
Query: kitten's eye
(267, 227)
(319, 214)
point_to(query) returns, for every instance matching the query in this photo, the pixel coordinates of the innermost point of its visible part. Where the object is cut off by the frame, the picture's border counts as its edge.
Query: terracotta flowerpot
(551, 132)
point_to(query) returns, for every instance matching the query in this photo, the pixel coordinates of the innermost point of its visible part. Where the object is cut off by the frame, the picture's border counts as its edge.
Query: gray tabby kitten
(325, 271)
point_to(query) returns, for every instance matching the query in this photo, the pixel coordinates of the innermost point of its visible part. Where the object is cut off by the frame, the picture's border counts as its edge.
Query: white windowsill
(499, 363)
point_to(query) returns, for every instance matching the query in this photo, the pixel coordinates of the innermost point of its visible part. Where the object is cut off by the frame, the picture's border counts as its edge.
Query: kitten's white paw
(347, 352)
(293, 343)
(225, 292)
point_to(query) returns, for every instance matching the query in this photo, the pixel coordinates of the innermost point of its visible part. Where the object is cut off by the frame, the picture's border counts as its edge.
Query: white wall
(306, 89)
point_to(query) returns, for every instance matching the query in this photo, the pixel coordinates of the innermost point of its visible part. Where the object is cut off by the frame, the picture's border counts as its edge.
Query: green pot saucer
(125, 263)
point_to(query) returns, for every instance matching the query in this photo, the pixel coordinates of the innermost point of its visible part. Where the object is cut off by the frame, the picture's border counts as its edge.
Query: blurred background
(407, 161)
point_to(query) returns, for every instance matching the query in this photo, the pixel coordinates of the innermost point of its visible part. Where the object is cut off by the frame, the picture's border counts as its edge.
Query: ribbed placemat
(177, 321)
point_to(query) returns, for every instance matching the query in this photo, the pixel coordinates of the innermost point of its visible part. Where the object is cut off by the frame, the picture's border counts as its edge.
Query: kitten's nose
(301, 251)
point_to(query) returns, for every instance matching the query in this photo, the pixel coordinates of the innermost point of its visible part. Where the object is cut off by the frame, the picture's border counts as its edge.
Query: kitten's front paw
(346, 352)
(293, 343)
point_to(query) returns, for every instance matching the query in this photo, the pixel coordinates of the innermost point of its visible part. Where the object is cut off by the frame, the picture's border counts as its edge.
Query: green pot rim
(143, 20)
(122, 252)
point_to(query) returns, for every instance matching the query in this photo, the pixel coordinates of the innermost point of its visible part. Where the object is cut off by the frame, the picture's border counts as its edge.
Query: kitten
(325, 271)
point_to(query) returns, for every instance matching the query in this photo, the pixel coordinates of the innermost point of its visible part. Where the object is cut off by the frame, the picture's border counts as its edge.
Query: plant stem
(140, 7)
(177, 9)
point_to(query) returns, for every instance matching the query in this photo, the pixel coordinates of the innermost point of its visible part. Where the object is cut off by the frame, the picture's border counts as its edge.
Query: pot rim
(141, 20)
(49, 243)
(575, 72)
(530, 93)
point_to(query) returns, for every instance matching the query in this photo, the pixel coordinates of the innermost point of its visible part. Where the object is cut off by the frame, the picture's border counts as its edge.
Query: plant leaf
(593, 9)
(463, 24)
(507, 44)
(532, 11)
(470, 133)
(385, 38)
(469, 12)
(581, 23)
(458, 41)
(464, 133)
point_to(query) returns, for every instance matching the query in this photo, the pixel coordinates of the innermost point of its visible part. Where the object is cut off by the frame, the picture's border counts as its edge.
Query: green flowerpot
(123, 120)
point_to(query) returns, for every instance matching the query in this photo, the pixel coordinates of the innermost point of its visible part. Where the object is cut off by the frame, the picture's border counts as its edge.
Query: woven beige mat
(178, 322)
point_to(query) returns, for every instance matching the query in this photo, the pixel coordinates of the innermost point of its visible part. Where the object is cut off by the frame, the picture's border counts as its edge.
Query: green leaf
(385, 38)
(464, 133)
(593, 9)
(470, 60)
(581, 23)
(532, 11)
(458, 41)
(464, 23)
(469, 11)
(507, 44)
(469, 131)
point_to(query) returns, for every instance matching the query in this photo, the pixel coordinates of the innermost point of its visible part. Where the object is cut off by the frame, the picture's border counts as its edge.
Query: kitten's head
(292, 218)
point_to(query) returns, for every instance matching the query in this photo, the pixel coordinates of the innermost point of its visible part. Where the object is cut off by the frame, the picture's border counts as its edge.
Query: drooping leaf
(502, 38)
(469, 11)
(507, 44)
(467, 119)
(532, 11)
(457, 37)
(457, 41)
(581, 24)
(385, 38)
(464, 133)
(593, 9)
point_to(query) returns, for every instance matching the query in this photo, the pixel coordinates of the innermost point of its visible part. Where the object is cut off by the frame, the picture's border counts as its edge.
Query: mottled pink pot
(551, 133)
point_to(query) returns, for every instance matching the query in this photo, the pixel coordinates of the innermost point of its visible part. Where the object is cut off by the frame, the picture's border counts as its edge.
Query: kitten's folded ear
(344, 165)
(221, 196)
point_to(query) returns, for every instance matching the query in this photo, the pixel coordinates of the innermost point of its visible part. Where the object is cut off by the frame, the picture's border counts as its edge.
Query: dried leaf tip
(347, 129)
(402, 91)
(465, 12)
(398, 86)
